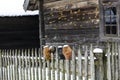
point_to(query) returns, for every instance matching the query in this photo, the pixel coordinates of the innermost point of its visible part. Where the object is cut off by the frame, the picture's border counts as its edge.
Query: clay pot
(46, 53)
(67, 51)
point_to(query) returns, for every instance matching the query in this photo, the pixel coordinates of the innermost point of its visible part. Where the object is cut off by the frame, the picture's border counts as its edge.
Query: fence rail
(29, 64)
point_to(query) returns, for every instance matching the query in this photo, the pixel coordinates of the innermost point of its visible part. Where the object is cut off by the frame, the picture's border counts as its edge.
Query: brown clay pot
(46, 53)
(67, 51)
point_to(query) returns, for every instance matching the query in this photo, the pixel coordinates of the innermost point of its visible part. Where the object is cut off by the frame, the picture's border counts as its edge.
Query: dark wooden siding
(19, 32)
(73, 35)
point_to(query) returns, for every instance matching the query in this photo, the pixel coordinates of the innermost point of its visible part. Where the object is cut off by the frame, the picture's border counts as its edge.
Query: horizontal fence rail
(30, 64)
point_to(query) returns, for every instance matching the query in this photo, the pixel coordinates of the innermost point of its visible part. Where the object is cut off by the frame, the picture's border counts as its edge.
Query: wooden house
(77, 20)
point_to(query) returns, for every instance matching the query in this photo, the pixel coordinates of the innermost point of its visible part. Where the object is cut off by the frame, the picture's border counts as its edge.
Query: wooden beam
(41, 23)
(74, 4)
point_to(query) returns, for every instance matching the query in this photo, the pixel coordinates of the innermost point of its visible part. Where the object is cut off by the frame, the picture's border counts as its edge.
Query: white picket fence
(29, 64)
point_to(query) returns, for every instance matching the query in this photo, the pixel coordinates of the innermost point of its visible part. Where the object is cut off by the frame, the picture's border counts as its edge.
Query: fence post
(99, 65)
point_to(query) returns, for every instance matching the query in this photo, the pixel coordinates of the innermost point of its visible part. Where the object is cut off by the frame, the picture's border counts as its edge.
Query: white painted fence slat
(44, 70)
(36, 65)
(53, 67)
(57, 65)
(92, 65)
(113, 62)
(62, 70)
(67, 67)
(79, 64)
(1, 73)
(8, 58)
(116, 61)
(13, 64)
(73, 65)
(6, 71)
(32, 65)
(108, 63)
(28, 64)
(86, 63)
(119, 60)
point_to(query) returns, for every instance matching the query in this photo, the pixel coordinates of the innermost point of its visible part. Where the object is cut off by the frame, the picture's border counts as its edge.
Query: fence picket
(67, 67)
(44, 69)
(29, 64)
(53, 67)
(108, 63)
(36, 65)
(16, 65)
(119, 60)
(113, 62)
(92, 67)
(1, 77)
(13, 64)
(116, 61)
(8, 64)
(86, 63)
(57, 65)
(73, 65)
(62, 68)
(26, 65)
(6, 69)
(32, 65)
(79, 64)
(40, 63)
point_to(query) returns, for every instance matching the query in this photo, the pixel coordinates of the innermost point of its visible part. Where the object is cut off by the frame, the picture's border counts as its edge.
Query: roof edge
(26, 4)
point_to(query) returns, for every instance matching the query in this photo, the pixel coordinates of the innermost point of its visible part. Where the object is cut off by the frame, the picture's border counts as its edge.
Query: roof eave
(30, 5)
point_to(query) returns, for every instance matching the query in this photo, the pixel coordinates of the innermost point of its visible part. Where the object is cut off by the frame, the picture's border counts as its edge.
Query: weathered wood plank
(26, 65)
(113, 61)
(119, 60)
(40, 63)
(86, 63)
(79, 64)
(57, 65)
(73, 65)
(29, 64)
(68, 77)
(108, 62)
(53, 67)
(116, 61)
(92, 65)
(36, 65)
(1, 73)
(32, 64)
(62, 68)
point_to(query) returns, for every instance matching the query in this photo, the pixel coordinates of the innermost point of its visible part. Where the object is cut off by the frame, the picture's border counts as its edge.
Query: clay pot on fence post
(61, 56)
(99, 65)
(46, 53)
(67, 52)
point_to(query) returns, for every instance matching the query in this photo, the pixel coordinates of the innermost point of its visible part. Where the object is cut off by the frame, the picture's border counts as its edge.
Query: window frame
(109, 23)
(103, 36)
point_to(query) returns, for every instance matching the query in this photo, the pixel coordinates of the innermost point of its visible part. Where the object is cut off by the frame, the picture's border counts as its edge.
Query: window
(110, 23)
